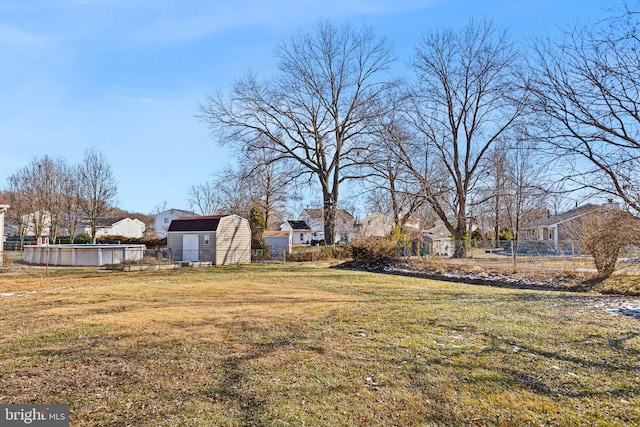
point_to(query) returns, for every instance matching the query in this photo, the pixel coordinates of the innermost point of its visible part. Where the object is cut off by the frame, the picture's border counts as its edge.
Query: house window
(166, 220)
(206, 239)
(301, 236)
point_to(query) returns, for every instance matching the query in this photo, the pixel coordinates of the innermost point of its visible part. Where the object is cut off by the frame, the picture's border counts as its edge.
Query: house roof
(299, 225)
(438, 231)
(3, 203)
(196, 223)
(282, 233)
(563, 217)
(177, 211)
(109, 221)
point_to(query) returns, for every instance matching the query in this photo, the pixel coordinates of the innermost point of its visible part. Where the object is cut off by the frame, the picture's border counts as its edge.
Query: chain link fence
(275, 254)
(561, 256)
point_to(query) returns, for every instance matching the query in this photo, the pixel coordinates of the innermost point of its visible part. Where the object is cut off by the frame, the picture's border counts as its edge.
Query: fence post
(405, 246)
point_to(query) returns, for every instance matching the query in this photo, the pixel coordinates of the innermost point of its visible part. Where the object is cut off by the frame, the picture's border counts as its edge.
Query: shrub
(603, 233)
(319, 253)
(374, 250)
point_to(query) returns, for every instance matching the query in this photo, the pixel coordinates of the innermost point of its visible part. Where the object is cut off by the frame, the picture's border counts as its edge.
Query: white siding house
(125, 227)
(3, 207)
(162, 220)
(345, 227)
(220, 239)
(301, 233)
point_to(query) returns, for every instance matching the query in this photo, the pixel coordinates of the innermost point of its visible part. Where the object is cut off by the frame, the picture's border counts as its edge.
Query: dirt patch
(477, 276)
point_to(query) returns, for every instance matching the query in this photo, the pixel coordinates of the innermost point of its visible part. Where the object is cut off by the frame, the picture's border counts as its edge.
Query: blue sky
(127, 76)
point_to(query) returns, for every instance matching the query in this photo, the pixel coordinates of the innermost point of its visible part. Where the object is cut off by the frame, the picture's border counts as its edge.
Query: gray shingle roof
(557, 219)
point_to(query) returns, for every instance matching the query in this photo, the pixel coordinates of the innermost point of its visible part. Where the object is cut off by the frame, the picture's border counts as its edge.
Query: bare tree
(272, 183)
(394, 190)
(235, 192)
(205, 198)
(587, 86)
(317, 111)
(69, 200)
(524, 189)
(37, 190)
(467, 97)
(18, 200)
(490, 197)
(97, 187)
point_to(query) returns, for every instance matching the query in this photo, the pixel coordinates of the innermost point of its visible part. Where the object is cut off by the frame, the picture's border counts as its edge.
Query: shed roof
(281, 233)
(196, 223)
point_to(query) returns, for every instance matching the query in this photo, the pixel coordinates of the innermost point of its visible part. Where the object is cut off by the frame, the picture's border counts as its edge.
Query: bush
(372, 250)
(603, 233)
(319, 253)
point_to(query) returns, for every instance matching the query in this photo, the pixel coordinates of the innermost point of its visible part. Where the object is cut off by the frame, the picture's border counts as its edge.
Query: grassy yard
(294, 345)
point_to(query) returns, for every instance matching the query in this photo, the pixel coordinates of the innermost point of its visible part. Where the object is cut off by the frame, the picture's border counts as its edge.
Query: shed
(278, 241)
(439, 241)
(219, 239)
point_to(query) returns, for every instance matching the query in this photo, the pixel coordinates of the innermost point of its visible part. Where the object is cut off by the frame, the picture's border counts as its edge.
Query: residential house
(376, 225)
(162, 220)
(345, 227)
(37, 224)
(3, 208)
(413, 223)
(219, 239)
(556, 228)
(125, 227)
(301, 233)
(380, 225)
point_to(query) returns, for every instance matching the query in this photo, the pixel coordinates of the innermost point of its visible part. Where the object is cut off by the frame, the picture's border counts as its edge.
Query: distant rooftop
(298, 225)
(566, 216)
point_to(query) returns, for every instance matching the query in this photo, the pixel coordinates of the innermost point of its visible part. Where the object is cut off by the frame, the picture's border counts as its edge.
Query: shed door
(190, 247)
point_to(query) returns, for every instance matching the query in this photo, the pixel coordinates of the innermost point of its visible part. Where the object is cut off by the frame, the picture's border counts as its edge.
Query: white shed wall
(233, 241)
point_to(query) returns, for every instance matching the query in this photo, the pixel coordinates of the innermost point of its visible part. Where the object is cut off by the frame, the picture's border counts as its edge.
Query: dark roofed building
(219, 239)
(195, 223)
(301, 233)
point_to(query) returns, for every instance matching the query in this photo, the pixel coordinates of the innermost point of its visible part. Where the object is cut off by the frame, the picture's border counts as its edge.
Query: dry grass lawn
(295, 345)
